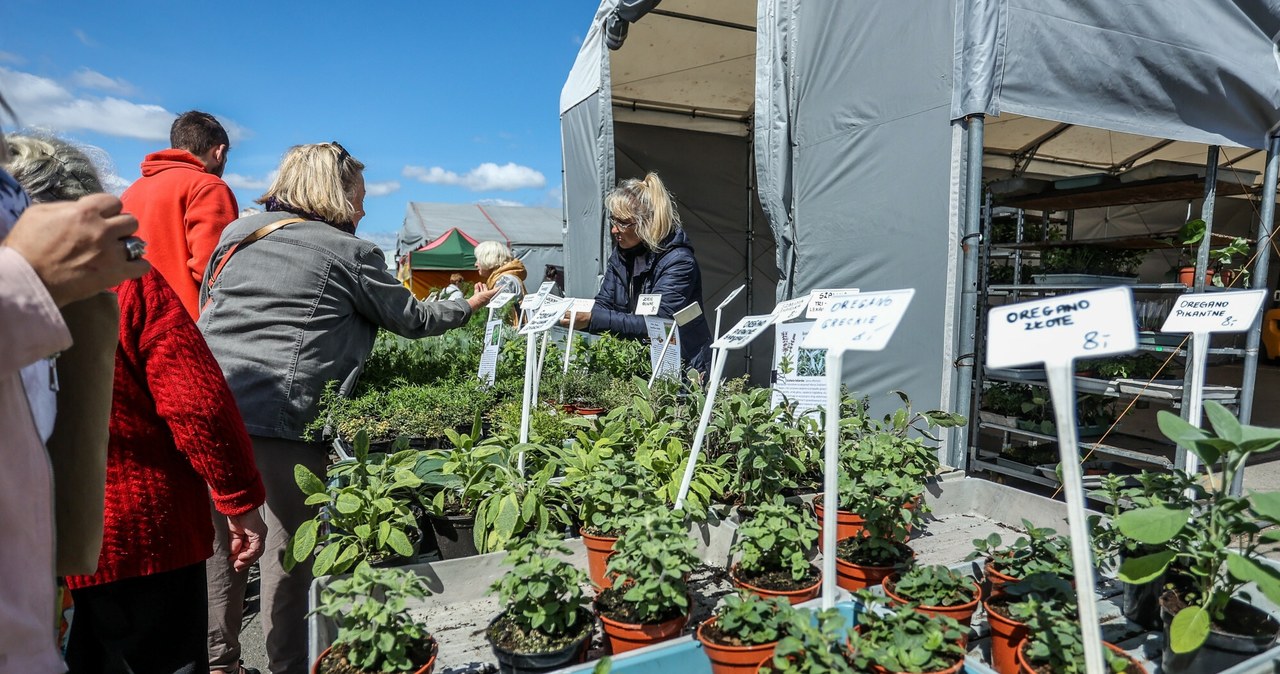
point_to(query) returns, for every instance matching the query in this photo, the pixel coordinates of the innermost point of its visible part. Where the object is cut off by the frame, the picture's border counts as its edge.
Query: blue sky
(443, 101)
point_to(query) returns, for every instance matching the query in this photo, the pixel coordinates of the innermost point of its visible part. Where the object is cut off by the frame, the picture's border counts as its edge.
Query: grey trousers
(283, 595)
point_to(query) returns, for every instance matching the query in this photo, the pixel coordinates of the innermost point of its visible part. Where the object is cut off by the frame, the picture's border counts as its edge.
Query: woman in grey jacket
(292, 300)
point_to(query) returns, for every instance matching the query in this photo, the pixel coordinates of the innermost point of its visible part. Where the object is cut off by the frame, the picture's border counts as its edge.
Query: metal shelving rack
(1020, 251)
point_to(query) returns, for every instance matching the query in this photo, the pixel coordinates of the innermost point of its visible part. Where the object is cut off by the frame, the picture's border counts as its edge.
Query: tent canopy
(534, 235)
(453, 250)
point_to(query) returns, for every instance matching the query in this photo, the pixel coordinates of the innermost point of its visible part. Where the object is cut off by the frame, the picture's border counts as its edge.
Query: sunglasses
(342, 151)
(621, 224)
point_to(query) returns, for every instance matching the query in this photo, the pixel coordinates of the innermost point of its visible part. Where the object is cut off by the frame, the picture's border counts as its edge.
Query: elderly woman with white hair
(293, 300)
(500, 268)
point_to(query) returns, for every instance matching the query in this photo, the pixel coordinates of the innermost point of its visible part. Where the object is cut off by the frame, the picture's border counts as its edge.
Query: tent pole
(1260, 279)
(751, 240)
(969, 248)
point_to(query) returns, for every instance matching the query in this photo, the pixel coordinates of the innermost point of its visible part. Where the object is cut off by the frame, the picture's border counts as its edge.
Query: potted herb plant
(1208, 625)
(881, 499)
(813, 643)
(936, 590)
(545, 625)
(744, 631)
(905, 640)
(1007, 630)
(364, 515)
(376, 634)
(1220, 272)
(748, 430)
(1042, 550)
(649, 600)
(1055, 643)
(610, 490)
(773, 554)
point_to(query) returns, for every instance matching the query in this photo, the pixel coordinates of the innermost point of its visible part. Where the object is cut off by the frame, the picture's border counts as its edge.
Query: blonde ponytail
(649, 204)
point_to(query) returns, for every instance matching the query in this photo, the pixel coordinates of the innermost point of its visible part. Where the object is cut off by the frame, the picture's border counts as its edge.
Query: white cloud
(499, 202)
(381, 189)
(10, 57)
(83, 37)
(40, 101)
(242, 182)
(487, 177)
(92, 79)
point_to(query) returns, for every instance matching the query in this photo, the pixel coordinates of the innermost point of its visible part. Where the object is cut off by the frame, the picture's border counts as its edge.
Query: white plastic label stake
(579, 306)
(1055, 331)
(687, 314)
(727, 300)
(1202, 314)
(861, 322)
(1062, 328)
(820, 299)
(746, 330)
(544, 290)
(1214, 312)
(790, 309)
(545, 316)
(500, 300)
(647, 305)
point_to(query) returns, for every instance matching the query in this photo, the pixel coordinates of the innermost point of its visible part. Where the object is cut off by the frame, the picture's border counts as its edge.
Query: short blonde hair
(50, 169)
(493, 254)
(320, 179)
(647, 203)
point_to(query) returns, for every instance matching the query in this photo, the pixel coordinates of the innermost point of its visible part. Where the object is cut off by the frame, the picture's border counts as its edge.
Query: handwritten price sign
(1061, 329)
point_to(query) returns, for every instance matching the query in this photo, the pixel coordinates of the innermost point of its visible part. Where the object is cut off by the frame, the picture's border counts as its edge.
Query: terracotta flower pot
(859, 577)
(997, 580)
(848, 524)
(733, 659)
(588, 411)
(425, 669)
(962, 613)
(598, 550)
(1006, 638)
(625, 637)
(1025, 667)
(793, 596)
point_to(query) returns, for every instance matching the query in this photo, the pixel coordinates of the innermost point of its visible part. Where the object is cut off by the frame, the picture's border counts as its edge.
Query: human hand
(480, 298)
(248, 534)
(76, 247)
(581, 319)
(479, 288)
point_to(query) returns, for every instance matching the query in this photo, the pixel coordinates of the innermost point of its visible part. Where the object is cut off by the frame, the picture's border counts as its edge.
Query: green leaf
(508, 518)
(316, 499)
(1138, 570)
(1267, 579)
(1189, 629)
(1154, 526)
(304, 540)
(307, 480)
(347, 504)
(400, 543)
(1225, 424)
(1266, 503)
(324, 560)
(1183, 433)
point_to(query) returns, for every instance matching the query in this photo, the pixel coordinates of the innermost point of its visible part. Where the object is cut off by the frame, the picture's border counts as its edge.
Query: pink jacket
(30, 328)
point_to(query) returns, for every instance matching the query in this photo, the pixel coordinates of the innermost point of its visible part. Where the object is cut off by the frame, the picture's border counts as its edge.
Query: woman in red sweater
(176, 438)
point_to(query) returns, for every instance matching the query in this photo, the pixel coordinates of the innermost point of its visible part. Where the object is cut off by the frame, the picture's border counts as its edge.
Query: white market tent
(860, 117)
(535, 235)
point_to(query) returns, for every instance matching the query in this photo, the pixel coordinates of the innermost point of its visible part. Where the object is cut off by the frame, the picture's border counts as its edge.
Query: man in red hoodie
(181, 203)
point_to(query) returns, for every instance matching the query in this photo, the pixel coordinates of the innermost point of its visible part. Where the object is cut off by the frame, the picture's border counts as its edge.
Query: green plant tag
(1189, 629)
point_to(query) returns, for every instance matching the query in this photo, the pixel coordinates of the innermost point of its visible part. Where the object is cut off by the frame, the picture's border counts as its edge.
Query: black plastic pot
(1141, 603)
(510, 662)
(455, 536)
(1222, 650)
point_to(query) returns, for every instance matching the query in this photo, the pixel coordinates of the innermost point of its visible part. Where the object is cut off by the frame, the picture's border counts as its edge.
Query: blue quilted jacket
(674, 273)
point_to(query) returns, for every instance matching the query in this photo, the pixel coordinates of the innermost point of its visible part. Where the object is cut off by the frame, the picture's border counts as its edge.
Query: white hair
(493, 254)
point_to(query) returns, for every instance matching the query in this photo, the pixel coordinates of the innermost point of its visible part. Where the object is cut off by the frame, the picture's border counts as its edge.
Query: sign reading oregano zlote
(1062, 328)
(1214, 312)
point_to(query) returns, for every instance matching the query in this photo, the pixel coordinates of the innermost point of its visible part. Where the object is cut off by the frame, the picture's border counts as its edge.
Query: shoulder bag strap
(254, 236)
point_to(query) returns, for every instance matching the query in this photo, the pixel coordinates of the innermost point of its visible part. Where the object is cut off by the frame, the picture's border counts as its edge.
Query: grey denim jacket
(300, 308)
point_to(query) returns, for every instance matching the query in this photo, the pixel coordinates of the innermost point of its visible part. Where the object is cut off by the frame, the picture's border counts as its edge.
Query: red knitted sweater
(176, 439)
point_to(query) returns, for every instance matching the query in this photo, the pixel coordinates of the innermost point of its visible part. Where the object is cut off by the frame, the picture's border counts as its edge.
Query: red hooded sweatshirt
(181, 213)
